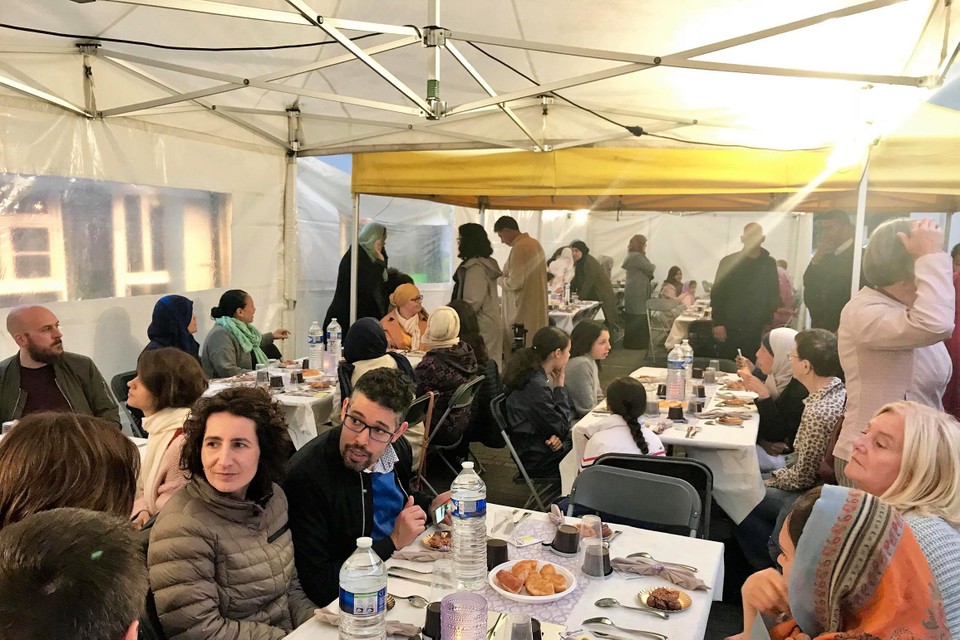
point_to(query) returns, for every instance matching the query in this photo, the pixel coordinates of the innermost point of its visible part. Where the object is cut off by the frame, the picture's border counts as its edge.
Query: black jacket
(443, 370)
(746, 291)
(826, 288)
(371, 291)
(331, 506)
(780, 417)
(535, 413)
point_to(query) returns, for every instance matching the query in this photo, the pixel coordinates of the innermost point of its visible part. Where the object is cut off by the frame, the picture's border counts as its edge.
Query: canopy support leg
(354, 254)
(290, 252)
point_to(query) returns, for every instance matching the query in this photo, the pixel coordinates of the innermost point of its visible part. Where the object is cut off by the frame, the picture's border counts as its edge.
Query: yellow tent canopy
(914, 170)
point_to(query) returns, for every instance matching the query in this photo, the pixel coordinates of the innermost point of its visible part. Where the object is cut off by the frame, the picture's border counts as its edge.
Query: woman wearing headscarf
(173, 325)
(853, 569)
(591, 282)
(406, 323)
(234, 345)
(447, 364)
(365, 348)
(780, 396)
(475, 282)
(636, 293)
(371, 279)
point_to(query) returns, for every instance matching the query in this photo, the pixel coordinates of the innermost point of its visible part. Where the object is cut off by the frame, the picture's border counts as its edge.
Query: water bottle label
(469, 508)
(363, 605)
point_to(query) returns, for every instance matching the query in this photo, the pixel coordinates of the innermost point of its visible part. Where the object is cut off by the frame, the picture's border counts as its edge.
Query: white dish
(746, 395)
(517, 597)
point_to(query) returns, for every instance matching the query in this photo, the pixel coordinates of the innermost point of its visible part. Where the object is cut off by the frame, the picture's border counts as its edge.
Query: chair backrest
(462, 398)
(118, 384)
(660, 317)
(638, 495)
(699, 475)
(417, 410)
(707, 285)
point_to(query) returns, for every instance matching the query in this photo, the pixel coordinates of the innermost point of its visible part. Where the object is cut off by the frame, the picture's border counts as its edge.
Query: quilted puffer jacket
(222, 568)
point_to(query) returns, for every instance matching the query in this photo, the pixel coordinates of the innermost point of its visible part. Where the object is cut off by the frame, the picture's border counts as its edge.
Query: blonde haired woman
(908, 455)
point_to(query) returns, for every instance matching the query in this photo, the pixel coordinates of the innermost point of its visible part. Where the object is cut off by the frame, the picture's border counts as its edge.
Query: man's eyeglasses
(417, 299)
(357, 426)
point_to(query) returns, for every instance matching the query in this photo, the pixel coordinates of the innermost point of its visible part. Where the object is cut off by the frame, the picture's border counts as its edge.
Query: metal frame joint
(434, 36)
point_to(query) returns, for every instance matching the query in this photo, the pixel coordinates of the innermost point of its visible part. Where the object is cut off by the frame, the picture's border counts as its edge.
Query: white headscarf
(781, 341)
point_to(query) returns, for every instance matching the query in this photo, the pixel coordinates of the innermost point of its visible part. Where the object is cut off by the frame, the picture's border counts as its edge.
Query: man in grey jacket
(44, 377)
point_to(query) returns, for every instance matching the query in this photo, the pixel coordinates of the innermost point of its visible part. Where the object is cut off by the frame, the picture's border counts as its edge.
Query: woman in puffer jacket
(221, 554)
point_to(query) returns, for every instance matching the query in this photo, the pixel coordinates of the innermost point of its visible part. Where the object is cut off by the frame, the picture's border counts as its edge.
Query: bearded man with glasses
(354, 481)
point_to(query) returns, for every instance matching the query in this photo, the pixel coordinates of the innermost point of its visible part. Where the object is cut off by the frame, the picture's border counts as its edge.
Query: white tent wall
(40, 140)
(325, 219)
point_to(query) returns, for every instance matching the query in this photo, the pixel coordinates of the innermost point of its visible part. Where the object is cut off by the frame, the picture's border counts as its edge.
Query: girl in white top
(622, 432)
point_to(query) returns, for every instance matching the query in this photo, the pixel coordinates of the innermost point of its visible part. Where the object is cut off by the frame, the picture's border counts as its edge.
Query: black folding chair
(543, 491)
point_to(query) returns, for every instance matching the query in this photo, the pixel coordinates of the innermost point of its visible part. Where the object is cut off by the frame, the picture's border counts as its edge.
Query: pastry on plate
(509, 581)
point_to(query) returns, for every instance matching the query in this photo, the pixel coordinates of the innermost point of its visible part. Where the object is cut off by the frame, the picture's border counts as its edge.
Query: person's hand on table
(773, 448)
(752, 382)
(281, 334)
(720, 333)
(925, 237)
(440, 500)
(555, 443)
(766, 591)
(410, 523)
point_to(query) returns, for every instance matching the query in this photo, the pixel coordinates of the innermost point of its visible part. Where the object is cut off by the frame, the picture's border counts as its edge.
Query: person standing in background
(827, 280)
(951, 397)
(524, 279)
(475, 282)
(639, 276)
(371, 284)
(591, 282)
(745, 295)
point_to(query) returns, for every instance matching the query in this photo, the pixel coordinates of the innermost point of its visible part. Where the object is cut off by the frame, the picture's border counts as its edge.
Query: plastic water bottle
(687, 359)
(334, 339)
(363, 595)
(315, 345)
(566, 294)
(469, 497)
(676, 375)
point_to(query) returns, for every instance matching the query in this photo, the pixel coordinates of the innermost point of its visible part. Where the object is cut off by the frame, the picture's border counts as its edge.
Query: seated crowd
(217, 532)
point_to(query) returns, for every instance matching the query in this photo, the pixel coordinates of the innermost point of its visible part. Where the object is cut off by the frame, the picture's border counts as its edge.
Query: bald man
(44, 377)
(745, 295)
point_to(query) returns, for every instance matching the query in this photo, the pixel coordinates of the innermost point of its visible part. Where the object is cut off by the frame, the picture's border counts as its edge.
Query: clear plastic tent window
(77, 239)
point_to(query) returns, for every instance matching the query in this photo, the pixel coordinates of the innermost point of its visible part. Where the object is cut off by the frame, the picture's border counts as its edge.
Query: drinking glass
(444, 580)
(519, 627)
(596, 559)
(715, 364)
(590, 528)
(463, 616)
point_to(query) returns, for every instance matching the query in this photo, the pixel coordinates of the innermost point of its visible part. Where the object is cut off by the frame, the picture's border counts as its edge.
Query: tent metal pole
(33, 92)
(291, 247)
(947, 224)
(858, 229)
(354, 254)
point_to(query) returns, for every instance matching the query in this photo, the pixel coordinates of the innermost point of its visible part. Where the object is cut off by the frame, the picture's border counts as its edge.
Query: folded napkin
(647, 567)
(556, 516)
(394, 628)
(420, 555)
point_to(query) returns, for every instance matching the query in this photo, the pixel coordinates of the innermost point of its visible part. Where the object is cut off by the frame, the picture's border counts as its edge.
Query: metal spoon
(644, 554)
(609, 623)
(417, 601)
(613, 602)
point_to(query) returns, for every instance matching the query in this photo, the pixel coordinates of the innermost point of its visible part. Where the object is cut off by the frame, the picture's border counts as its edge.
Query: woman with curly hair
(475, 282)
(221, 554)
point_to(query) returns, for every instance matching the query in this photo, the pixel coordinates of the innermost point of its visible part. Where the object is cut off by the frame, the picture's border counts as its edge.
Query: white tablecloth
(706, 555)
(567, 320)
(304, 415)
(730, 452)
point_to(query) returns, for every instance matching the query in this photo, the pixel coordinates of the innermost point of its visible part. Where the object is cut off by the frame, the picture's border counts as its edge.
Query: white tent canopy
(748, 72)
(84, 98)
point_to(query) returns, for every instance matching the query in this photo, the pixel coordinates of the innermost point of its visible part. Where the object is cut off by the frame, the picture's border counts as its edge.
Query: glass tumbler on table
(519, 627)
(463, 616)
